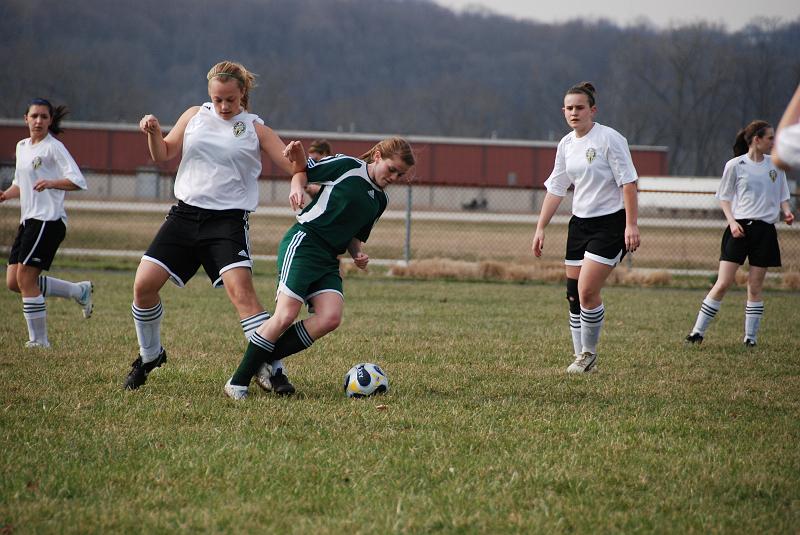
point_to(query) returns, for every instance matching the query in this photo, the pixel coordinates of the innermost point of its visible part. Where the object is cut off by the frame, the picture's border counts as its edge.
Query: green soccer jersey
(347, 206)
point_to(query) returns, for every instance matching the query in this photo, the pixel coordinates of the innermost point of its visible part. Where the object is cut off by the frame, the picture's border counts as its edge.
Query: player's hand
(297, 198)
(149, 124)
(736, 230)
(538, 243)
(788, 217)
(361, 260)
(296, 154)
(632, 239)
(42, 184)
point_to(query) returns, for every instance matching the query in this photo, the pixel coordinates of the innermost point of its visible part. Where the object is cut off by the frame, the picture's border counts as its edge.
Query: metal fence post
(407, 245)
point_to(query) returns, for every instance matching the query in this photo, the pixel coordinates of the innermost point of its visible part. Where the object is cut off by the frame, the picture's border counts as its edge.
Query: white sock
(708, 309)
(148, 330)
(35, 311)
(575, 330)
(53, 287)
(752, 319)
(591, 325)
(251, 323)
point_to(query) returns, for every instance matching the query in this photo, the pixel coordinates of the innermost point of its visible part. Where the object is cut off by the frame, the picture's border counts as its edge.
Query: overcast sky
(734, 14)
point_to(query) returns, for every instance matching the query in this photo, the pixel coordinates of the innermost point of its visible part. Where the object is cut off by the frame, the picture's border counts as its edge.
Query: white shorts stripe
(38, 239)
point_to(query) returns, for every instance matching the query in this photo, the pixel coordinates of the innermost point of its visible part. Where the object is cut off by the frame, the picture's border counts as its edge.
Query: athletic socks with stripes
(53, 287)
(708, 310)
(591, 325)
(575, 330)
(259, 350)
(148, 330)
(752, 319)
(35, 311)
(249, 326)
(293, 340)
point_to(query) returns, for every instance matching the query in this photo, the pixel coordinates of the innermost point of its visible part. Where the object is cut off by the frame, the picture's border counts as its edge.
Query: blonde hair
(230, 70)
(391, 147)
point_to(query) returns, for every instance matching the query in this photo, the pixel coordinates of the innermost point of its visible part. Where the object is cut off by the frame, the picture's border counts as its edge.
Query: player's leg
(573, 298)
(147, 314)
(34, 307)
(261, 346)
(591, 281)
(754, 309)
(34, 252)
(81, 292)
(712, 302)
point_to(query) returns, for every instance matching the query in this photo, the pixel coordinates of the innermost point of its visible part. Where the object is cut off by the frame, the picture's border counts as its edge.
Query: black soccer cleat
(281, 385)
(749, 343)
(694, 338)
(139, 370)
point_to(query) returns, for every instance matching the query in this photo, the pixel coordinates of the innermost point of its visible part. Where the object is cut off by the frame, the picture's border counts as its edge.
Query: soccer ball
(365, 379)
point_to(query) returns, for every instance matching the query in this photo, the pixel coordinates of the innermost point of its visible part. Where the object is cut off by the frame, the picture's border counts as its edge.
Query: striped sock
(35, 311)
(53, 287)
(752, 319)
(250, 325)
(148, 330)
(591, 325)
(294, 340)
(708, 310)
(258, 351)
(575, 330)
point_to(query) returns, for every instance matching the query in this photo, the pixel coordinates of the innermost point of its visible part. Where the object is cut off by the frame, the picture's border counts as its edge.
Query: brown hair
(230, 70)
(391, 147)
(583, 88)
(57, 113)
(746, 135)
(321, 146)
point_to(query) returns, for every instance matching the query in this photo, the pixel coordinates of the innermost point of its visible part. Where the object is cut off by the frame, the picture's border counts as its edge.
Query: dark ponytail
(583, 88)
(57, 113)
(746, 135)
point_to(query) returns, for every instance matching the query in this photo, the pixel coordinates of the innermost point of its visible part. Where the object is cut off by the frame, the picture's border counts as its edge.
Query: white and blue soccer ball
(364, 380)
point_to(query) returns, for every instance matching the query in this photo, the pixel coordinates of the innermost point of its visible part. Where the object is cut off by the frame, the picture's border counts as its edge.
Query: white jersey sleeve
(619, 159)
(727, 186)
(559, 181)
(66, 164)
(787, 145)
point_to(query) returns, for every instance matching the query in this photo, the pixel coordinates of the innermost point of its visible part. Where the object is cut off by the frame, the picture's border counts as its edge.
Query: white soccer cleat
(584, 363)
(263, 377)
(235, 391)
(85, 300)
(37, 344)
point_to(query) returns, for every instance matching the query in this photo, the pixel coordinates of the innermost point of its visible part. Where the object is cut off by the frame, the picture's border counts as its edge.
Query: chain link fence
(680, 222)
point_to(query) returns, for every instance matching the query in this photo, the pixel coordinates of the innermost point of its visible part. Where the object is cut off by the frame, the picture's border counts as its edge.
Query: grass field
(482, 431)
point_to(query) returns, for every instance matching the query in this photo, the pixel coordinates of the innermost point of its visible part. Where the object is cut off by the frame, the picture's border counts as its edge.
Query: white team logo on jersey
(371, 193)
(773, 174)
(238, 128)
(37, 163)
(591, 154)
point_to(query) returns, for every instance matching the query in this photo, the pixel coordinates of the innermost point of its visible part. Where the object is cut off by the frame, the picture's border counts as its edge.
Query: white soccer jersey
(221, 161)
(598, 164)
(787, 145)
(755, 189)
(48, 159)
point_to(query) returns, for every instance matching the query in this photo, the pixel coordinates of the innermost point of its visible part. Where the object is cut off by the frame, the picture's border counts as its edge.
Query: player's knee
(329, 321)
(572, 296)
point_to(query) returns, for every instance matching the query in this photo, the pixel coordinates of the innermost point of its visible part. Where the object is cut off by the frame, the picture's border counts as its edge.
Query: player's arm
(736, 229)
(549, 207)
(56, 183)
(790, 116)
(360, 258)
(630, 196)
(11, 193)
(166, 148)
(297, 198)
(788, 215)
